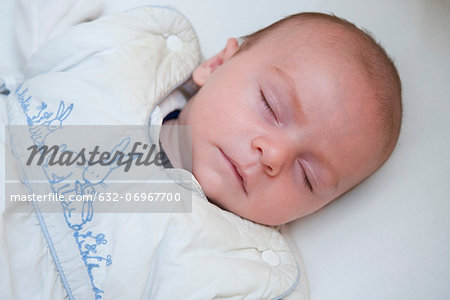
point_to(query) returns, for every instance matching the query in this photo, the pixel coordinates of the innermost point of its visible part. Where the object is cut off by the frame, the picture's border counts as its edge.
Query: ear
(203, 72)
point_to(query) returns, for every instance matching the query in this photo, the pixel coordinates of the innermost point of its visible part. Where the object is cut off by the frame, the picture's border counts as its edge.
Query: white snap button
(174, 43)
(270, 257)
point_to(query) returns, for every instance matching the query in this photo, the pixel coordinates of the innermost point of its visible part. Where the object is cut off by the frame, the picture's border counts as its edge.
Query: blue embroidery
(41, 123)
(86, 181)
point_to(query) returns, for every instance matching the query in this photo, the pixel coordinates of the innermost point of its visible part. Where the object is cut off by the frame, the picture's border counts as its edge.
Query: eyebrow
(291, 89)
(298, 108)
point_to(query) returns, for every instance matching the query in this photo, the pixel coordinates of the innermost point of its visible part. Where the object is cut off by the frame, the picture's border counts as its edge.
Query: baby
(298, 114)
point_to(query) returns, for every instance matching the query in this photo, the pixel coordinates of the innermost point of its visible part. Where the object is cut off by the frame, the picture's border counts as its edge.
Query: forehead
(293, 36)
(311, 65)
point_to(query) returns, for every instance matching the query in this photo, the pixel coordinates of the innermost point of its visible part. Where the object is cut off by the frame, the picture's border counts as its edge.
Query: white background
(390, 237)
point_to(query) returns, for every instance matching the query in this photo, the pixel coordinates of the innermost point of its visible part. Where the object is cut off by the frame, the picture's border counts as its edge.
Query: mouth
(236, 170)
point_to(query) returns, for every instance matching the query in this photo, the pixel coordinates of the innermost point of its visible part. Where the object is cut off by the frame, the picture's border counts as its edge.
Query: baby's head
(298, 114)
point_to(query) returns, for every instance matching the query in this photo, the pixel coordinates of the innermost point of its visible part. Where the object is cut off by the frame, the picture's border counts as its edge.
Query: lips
(236, 170)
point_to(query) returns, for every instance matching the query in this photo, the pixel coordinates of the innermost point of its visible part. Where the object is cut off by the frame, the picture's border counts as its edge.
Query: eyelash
(267, 106)
(306, 179)
(307, 182)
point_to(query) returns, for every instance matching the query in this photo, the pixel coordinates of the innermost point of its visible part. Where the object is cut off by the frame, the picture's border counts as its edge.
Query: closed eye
(267, 106)
(306, 179)
(307, 182)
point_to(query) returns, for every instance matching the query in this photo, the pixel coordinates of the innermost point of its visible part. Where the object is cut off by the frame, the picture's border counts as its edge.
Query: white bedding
(387, 239)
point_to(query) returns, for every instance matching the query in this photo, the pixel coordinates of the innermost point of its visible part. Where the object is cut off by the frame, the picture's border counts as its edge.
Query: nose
(273, 153)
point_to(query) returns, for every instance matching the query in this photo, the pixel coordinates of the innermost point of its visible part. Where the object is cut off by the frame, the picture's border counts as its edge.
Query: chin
(271, 220)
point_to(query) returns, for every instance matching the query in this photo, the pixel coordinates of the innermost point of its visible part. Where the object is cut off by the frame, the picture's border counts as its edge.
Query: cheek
(279, 202)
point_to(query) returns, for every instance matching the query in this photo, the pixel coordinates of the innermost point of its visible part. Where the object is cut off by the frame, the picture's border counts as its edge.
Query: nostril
(259, 149)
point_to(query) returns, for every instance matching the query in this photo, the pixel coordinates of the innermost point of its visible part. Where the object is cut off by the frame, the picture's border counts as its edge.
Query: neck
(175, 145)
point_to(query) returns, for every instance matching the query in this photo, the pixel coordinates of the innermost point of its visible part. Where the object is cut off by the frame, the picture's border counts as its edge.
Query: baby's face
(279, 130)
